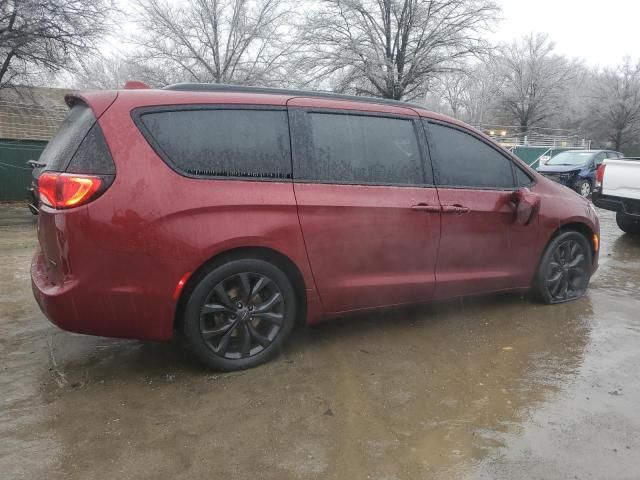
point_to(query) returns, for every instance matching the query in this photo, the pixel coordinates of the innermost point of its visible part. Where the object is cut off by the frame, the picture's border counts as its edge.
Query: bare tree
(615, 110)
(391, 48)
(112, 71)
(39, 36)
(215, 41)
(103, 72)
(452, 88)
(535, 80)
(471, 93)
(483, 92)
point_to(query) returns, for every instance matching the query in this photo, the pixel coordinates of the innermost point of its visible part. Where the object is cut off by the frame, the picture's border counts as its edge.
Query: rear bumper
(92, 308)
(54, 301)
(629, 207)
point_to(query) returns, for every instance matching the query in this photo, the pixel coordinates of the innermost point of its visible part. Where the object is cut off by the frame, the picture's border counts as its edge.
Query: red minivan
(230, 213)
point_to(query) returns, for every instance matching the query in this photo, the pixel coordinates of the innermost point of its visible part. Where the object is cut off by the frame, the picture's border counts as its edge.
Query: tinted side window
(461, 160)
(93, 155)
(363, 149)
(523, 179)
(225, 143)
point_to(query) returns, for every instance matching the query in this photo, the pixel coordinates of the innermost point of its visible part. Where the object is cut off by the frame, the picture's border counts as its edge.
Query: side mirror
(526, 204)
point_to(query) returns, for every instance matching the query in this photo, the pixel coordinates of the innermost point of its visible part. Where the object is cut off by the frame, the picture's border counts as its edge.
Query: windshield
(571, 158)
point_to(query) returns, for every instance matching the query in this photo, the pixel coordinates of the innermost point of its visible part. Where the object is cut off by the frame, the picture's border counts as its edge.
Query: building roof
(31, 113)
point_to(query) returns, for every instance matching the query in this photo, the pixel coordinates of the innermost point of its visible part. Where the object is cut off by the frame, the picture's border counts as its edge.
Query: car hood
(560, 168)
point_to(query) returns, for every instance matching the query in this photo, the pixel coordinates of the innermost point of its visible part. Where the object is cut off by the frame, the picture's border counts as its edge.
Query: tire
(628, 224)
(562, 275)
(239, 315)
(583, 187)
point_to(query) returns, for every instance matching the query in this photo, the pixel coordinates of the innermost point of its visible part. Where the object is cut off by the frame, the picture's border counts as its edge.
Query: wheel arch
(573, 226)
(271, 255)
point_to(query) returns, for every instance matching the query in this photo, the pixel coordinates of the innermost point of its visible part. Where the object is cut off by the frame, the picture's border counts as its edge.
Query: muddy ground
(495, 387)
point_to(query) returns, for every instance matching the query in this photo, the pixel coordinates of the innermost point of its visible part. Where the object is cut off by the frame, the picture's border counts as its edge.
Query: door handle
(427, 208)
(456, 209)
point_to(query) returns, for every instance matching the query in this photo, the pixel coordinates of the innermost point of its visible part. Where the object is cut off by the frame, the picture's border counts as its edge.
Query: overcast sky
(600, 32)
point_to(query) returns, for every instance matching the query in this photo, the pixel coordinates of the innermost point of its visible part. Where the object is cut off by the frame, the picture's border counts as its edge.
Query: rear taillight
(66, 190)
(600, 175)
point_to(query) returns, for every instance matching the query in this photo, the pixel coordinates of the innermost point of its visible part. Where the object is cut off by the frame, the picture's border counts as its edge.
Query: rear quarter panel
(153, 225)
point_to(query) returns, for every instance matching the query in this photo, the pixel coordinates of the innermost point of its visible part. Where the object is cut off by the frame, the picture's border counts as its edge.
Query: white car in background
(617, 188)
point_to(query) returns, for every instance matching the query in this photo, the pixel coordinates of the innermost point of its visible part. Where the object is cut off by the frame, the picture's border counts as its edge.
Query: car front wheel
(565, 269)
(239, 314)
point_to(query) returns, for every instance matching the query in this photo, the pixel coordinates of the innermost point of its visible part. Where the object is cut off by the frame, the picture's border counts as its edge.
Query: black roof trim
(221, 87)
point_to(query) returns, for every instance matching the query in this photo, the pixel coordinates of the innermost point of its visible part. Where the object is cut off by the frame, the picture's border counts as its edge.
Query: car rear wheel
(239, 314)
(627, 223)
(583, 187)
(565, 269)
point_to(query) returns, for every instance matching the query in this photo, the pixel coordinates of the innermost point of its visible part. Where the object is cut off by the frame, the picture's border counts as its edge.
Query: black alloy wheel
(242, 316)
(239, 314)
(565, 269)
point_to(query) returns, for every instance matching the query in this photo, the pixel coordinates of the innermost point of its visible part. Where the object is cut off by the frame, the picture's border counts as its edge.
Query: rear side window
(63, 145)
(222, 143)
(92, 156)
(462, 160)
(363, 149)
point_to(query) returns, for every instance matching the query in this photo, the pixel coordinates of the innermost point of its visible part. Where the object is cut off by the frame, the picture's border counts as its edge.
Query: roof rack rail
(222, 87)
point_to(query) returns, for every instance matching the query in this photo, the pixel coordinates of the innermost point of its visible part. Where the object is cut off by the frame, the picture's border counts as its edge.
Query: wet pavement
(488, 388)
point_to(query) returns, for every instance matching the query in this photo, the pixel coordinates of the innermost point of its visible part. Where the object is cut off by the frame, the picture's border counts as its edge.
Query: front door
(483, 248)
(369, 214)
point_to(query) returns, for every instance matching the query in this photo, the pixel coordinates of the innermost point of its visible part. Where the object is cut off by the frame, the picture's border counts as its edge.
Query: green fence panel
(15, 175)
(530, 155)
